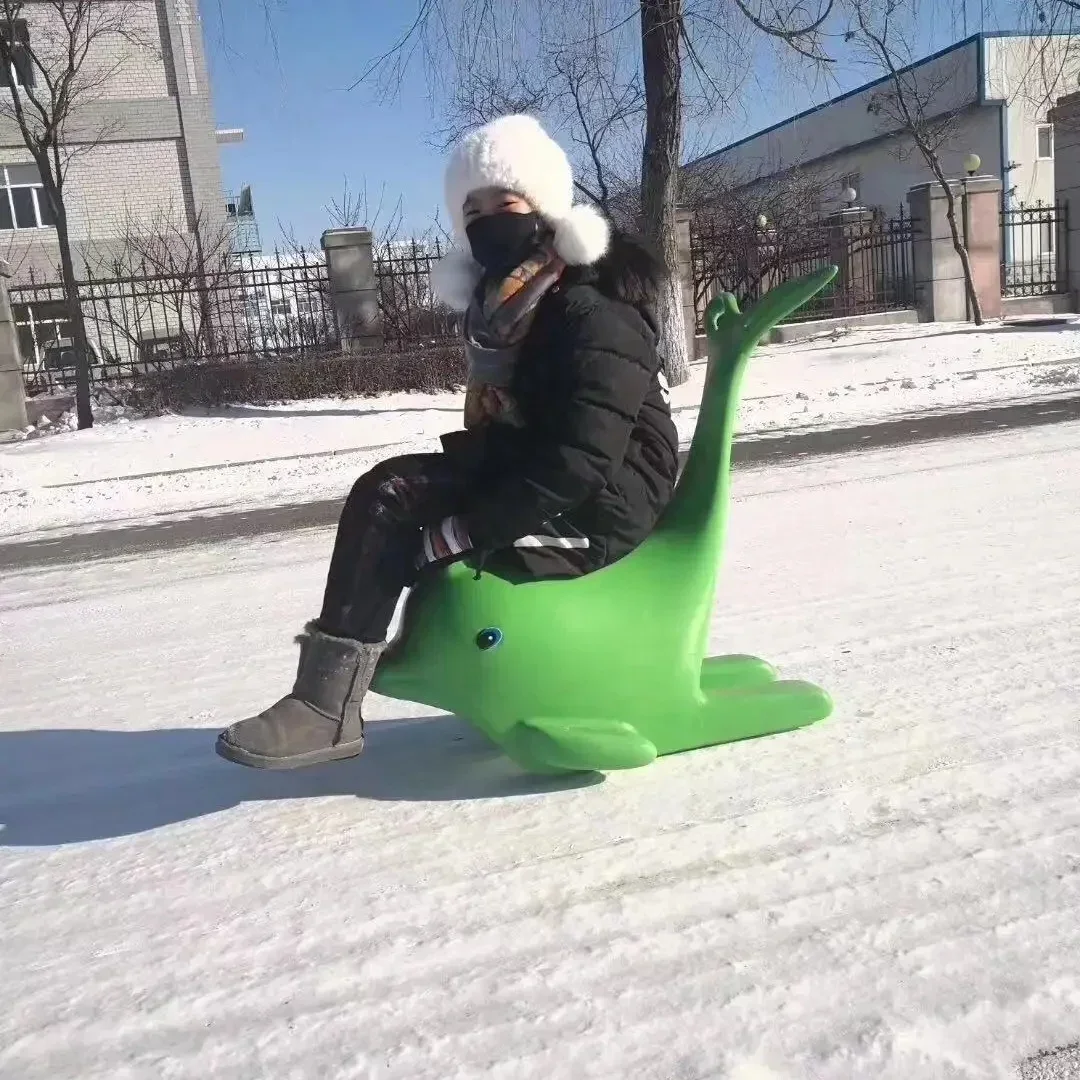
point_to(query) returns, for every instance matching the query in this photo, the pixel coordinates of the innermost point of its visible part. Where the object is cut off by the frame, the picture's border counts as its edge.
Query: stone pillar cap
(981, 182)
(336, 238)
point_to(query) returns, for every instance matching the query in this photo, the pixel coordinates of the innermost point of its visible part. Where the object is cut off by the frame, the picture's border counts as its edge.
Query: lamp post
(849, 195)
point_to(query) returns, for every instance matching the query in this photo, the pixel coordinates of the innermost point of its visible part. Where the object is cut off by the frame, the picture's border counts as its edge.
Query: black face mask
(500, 241)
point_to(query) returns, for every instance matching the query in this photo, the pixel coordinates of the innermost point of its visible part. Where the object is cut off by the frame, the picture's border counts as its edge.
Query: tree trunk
(960, 246)
(661, 34)
(70, 285)
(207, 344)
(959, 242)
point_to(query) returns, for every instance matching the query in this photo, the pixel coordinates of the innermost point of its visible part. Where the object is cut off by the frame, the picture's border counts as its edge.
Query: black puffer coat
(584, 481)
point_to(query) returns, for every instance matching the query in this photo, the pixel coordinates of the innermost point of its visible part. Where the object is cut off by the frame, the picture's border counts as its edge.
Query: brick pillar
(850, 232)
(763, 254)
(939, 275)
(12, 392)
(686, 281)
(354, 290)
(1065, 116)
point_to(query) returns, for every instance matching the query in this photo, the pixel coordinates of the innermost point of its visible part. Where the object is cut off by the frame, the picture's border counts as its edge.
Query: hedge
(428, 369)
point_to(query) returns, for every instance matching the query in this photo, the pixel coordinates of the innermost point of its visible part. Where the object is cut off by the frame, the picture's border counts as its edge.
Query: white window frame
(37, 192)
(45, 330)
(14, 76)
(1039, 130)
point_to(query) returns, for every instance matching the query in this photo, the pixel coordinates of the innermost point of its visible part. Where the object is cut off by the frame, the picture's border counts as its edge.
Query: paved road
(187, 532)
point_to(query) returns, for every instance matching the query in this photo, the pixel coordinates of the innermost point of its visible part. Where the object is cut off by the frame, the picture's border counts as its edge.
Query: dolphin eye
(488, 639)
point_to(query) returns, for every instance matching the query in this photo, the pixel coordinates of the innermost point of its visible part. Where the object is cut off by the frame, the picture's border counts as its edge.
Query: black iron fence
(874, 254)
(410, 312)
(1034, 247)
(144, 318)
(148, 318)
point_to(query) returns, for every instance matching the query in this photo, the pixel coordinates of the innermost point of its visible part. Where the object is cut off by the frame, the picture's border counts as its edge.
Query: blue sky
(306, 131)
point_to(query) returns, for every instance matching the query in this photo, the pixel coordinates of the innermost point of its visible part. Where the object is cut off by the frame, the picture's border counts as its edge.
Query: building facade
(992, 86)
(142, 140)
(143, 159)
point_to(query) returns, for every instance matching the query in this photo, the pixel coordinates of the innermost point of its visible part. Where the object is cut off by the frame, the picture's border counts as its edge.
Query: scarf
(496, 323)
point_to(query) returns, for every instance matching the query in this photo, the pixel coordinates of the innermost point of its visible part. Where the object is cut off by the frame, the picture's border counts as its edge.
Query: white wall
(116, 182)
(890, 167)
(1019, 76)
(107, 182)
(119, 65)
(1026, 74)
(848, 123)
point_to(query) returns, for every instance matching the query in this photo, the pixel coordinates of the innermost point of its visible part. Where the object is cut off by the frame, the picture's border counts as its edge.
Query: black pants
(378, 540)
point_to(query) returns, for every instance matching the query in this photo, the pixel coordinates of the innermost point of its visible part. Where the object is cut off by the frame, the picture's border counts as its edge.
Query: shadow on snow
(64, 787)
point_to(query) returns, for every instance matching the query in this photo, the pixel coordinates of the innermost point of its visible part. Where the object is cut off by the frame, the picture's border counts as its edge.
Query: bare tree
(750, 230)
(165, 288)
(1051, 66)
(410, 312)
(545, 55)
(54, 65)
(355, 209)
(919, 105)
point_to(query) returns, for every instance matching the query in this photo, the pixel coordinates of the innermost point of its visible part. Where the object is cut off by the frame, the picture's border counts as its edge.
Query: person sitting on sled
(568, 455)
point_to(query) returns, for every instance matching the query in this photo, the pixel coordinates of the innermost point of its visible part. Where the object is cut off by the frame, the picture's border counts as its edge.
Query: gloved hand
(444, 543)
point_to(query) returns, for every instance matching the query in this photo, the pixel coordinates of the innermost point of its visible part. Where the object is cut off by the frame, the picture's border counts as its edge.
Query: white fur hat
(517, 154)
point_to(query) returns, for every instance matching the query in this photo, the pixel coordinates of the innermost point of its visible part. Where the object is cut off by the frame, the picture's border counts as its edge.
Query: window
(280, 307)
(23, 204)
(44, 329)
(19, 71)
(165, 351)
(1045, 135)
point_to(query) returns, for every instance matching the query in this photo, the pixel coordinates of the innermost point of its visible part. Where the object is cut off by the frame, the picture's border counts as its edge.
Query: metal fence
(875, 255)
(410, 312)
(1034, 246)
(144, 318)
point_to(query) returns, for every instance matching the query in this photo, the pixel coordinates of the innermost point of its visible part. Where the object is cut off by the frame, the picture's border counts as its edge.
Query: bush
(429, 369)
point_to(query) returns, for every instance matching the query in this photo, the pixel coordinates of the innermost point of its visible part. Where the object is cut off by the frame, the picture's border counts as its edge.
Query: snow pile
(104, 413)
(891, 894)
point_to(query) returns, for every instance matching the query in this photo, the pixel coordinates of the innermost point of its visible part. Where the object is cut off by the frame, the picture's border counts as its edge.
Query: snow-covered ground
(308, 450)
(892, 894)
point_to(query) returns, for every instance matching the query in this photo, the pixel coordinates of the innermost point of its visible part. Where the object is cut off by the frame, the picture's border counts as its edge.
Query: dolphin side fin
(566, 745)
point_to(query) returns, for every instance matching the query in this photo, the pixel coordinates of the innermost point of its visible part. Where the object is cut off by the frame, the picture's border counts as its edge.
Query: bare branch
(614, 80)
(915, 105)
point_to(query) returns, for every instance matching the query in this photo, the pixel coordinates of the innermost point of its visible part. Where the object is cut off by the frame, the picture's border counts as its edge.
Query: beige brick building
(142, 142)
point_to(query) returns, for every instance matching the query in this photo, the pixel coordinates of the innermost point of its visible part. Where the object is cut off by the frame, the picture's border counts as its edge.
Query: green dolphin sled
(608, 671)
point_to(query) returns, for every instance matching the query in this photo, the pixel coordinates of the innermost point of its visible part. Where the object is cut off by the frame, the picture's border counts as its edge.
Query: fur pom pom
(582, 237)
(454, 279)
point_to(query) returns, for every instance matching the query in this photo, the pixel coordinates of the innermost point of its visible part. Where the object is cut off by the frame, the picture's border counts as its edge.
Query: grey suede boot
(320, 720)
